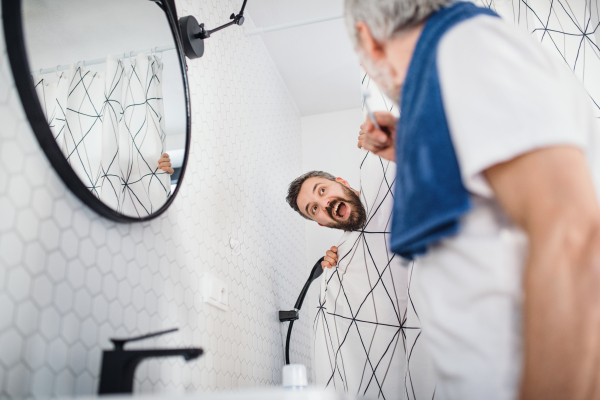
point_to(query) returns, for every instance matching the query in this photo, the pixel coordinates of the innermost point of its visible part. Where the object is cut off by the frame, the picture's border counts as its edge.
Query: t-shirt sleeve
(504, 96)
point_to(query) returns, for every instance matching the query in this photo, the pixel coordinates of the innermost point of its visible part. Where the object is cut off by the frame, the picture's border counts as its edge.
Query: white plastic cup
(294, 377)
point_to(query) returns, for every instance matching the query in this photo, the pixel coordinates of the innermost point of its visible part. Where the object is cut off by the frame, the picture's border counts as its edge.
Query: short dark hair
(296, 185)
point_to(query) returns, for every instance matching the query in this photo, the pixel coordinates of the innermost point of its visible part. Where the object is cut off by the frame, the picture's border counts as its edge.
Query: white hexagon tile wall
(69, 279)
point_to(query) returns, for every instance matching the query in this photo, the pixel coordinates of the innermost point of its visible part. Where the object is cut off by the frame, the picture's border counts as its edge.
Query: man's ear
(372, 48)
(343, 182)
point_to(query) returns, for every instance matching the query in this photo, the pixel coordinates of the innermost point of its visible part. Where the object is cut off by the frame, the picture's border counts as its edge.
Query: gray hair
(296, 185)
(385, 18)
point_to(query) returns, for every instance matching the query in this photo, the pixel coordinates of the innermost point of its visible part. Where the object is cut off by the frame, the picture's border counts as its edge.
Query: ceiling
(317, 61)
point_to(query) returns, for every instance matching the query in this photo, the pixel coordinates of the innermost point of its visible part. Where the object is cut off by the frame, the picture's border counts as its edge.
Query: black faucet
(118, 365)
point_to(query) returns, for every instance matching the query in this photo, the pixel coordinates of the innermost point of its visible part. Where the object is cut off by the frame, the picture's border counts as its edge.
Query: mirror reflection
(109, 81)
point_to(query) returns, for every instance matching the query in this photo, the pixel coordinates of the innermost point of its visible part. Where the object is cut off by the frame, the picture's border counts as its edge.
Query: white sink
(249, 394)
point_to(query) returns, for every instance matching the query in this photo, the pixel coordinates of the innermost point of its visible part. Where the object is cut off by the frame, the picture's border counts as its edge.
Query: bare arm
(549, 193)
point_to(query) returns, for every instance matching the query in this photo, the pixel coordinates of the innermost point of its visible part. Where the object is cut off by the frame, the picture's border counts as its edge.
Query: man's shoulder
(487, 34)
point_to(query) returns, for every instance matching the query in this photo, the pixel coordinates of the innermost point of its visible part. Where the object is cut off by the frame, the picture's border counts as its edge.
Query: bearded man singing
(366, 333)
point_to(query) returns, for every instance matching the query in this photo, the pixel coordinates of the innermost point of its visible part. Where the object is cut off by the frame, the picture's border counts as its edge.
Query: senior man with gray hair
(495, 197)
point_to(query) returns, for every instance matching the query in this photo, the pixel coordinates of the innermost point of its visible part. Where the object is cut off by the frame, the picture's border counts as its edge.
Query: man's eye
(314, 209)
(322, 190)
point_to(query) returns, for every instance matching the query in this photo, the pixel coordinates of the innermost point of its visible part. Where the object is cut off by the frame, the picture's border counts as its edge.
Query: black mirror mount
(193, 33)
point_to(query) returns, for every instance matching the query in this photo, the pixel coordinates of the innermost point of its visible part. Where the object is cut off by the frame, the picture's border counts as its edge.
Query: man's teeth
(335, 211)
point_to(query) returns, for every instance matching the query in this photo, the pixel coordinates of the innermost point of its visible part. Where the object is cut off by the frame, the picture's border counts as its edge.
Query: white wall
(69, 279)
(329, 144)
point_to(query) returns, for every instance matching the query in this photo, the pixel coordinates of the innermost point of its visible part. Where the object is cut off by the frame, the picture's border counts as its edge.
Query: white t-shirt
(503, 97)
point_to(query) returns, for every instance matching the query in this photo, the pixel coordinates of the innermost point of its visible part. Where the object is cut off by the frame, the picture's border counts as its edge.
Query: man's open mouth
(340, 210)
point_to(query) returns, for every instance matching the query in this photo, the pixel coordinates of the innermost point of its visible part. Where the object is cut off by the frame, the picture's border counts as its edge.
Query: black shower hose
(292, 315)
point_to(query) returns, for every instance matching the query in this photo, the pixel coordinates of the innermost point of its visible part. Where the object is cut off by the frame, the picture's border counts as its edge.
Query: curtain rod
(260, 31)
(101, 60)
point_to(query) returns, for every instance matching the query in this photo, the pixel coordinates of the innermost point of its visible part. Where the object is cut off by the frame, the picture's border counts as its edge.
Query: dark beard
(358, 215)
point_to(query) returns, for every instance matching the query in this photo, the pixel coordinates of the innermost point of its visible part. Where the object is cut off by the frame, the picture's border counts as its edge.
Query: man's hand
(549, 193)
(165, 164)
(379, 142)
(331, 258)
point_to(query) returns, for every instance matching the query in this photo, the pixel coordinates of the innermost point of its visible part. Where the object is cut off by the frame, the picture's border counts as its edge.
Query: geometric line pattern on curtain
(110, 126)
(366, 328)
(568, 29)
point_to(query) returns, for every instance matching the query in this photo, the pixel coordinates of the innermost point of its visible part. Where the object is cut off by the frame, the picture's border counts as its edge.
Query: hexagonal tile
(49, 323)
(35, 169)
(20, 190)
(87, 252)
(109, 286)
(18, 380)
(76, 357)
(98, 232)
(81, 223)
(26, 320)
(69, 328)
(56, 266)
(34, 353)
(49, 234)
(11, 249)
(89, 333)
(11, 344)
(42, 290)
(63, 297)
(42, 382)
(64, 383)
(19, 283)
(34, 257)
(27, 224)
(7, 306)
(62, 213)
(75, 274)
(69, 244)
(8, 214)
(115, 314)
(83, 303)
(104, 259)
(99, 308)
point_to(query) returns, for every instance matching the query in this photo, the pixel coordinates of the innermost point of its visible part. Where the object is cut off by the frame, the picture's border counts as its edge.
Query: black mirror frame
(17, 55)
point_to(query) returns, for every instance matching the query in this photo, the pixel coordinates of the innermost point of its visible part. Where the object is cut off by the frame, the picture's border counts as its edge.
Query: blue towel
(430, 197)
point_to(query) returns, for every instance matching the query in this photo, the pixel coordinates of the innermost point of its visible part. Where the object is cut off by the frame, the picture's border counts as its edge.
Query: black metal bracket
(285, 316)
(193, 33)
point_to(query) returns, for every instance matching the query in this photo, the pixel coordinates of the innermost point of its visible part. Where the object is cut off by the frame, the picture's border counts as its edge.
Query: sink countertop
(274, 393)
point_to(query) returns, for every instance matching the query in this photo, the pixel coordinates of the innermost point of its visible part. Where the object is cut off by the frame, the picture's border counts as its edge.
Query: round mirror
(104, 86)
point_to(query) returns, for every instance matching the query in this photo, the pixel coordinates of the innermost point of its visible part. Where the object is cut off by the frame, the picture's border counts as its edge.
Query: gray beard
(381, 75)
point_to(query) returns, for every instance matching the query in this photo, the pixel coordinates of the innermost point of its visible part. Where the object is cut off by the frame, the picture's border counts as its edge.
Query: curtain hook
(130, 56)
(158, 52)
(56, 71)
(40, 73)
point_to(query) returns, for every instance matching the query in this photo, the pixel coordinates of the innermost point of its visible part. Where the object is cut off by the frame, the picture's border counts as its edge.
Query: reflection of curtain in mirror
(110, 185)
(110, 127)
(83, 140)
(53, 99)
(142, 139)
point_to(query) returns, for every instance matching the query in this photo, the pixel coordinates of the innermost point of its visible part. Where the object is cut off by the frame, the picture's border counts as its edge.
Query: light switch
(216, 292)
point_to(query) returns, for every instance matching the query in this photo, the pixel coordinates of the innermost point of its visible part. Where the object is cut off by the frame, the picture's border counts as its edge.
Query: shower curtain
(111, 129)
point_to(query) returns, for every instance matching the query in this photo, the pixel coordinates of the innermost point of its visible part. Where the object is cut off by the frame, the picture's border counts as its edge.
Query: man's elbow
(576, 237)
(564, 231)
